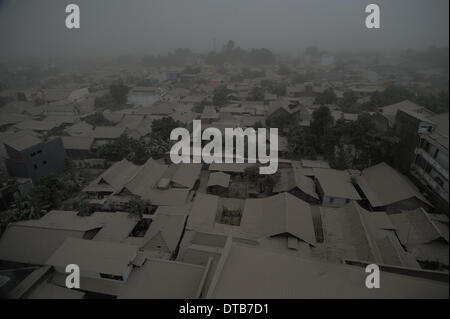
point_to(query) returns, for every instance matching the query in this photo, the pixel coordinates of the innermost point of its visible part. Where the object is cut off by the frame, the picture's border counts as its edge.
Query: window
(331, 200)
(435, 153)
(439, 181)
(44, 162)
(113, 277)
(35, 166)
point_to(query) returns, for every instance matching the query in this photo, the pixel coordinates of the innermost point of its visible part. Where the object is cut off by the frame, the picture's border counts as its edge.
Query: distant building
(385, 117)
(77, 147)
(31, 157)
(143, 96)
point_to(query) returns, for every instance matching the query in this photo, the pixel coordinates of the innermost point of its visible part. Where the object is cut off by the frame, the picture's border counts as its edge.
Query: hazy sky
(37, 27)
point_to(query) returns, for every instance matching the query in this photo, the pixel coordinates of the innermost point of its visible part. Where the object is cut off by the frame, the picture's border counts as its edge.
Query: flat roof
(32, 245)
(255, 273)
(163, 279)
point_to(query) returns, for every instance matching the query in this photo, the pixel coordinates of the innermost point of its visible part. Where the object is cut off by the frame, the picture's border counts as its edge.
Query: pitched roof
(168, 197)
(113, 117)
(219, 179)
(116, 226)
(130, 121)
(383, 186)
(22, 142)
(108, 132)
(114, 178)
(33, 241)
(65, 220)
(291, 178)
(390, 111)
(314, 164)
(32, 245)
(94, 256)
(229, 167)
(424, 236)
(169, 226)
(45, 125)
(278, 215)
(187, 174)
(77, 143)
(344, 233)
(80, 129)
(203, 212)
(335, 183)
(416, 227)
(145, 177)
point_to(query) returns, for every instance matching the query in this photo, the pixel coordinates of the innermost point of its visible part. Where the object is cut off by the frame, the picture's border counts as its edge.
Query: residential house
(96, 259)
(293, 181)
(335, 187)
(218, 183)
(423, 235)
(77, 147)
(384, 188)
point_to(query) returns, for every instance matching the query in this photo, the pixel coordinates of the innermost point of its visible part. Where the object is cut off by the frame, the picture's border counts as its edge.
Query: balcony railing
(432, 162)
(438, 189)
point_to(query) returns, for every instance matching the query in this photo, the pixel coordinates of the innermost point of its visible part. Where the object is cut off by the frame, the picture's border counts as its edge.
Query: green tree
(321, 124)
(164, 126)
(105, 101)
(84, 209)
(133, 150)
(270, 180)
(340, 159)
(137, 207)
(119, 93)
(252, 173)
(326, 97)
(301, 143)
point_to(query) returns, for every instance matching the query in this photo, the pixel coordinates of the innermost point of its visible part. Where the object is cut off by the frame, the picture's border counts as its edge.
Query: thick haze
(110, 27)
